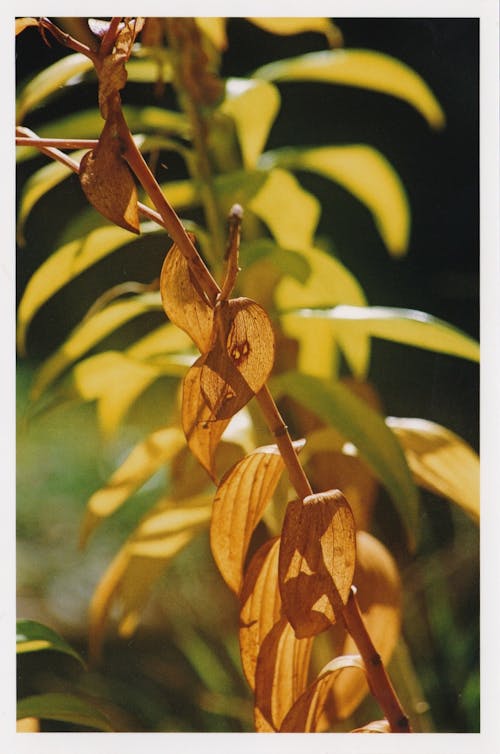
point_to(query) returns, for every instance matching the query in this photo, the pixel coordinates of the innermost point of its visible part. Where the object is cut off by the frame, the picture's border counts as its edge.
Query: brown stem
(38, 142)
(378, 680)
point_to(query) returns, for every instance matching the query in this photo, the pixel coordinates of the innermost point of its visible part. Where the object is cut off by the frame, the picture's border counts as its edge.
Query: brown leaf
(305, 715)
(202, 431)
(316, 562)
(108, 183)
(241, 359)
(377, 726)
(241, 499)
(183, 301)
(260, 605)
(379, 596)
(281, 674)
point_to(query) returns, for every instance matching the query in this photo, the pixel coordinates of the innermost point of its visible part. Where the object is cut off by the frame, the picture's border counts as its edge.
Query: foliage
(294, 319)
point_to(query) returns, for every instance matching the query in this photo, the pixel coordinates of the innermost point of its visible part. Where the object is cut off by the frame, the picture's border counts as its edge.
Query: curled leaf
(316, 561)
(32, 636)
(238, 506)
(183, 301)
(377, 726)
(299, 25)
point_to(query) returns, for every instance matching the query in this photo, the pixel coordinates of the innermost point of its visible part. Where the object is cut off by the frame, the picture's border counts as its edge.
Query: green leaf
(364, 172)
(148, 71)
(366, 429)
(49, 82)
(288, 262)
(290, 213)
(253, 106)
(65, 264)
(67, 708)
(88, 333)
(407, 326)
(362, 68)
(32, 636)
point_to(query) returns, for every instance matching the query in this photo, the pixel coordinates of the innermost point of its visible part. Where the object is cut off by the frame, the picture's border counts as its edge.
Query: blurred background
(181, 670)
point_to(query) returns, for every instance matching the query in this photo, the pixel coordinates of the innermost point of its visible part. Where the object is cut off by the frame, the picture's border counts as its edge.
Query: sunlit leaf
(149, 71)
(65, 264)
(290, 212)
(305, 715)
(361, 68)
(352, 325)
(141, 463)
(316, 561)
(164, 339)
(367, 174)
(240, 501)
(253, 106)
(440, 460)
(50, 81)
(329, 281)
(377, 726)
(107, 181)
(260, 605)
(184, 302)
(28, 725)
(67, 708)
(281, 674)
(88, 333)
(286, 26)
(366, 429)
(24, 23)
(214, 27)
(32, 636)
(127, 582)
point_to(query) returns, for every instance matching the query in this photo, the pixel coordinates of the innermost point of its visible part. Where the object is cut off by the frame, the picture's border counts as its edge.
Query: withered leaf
(316, 561)
(241, 499)
(183, 301)
(241, 358)
(108, 183)
(202, 431)
(377, 726)
(281, 674)
(260, 605)
(306, 713)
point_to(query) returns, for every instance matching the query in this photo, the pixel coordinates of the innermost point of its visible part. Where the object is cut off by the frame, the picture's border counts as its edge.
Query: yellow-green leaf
(141, 463)
(88, 333)
(68, 708)
(367, 174)
(49, 81)
(253, 106)
(65, 264)
(299, 25)
(32, 636)
(362, 68)
(290, 212)
(440, 460)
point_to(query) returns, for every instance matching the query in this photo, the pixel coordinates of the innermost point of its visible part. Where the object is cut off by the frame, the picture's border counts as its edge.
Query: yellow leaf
(239, 504)
(286, 26)
(23, 23)
(363, 68)
(316, 561)
(215, 29)
(290, 212)
(164, 339)
(440, 461)
(28, 725)
(305, 715)
(253, 106)
(141, 463)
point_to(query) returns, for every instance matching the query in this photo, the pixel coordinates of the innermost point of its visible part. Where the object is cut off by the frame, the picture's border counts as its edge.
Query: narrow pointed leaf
(291, 213)
(214, 27)
(24, 23)
(141, 463)
(316, 561)
(183, 301)
(162, 340)
(366, 429)
(306, 713)
(441, 461)
(32, 636)
(299, 25)
(361, 68)
(239, 504)
(367, 174)
(253, 106)
(67, 708)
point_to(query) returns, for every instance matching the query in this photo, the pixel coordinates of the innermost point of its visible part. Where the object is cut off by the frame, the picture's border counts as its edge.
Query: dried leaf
(241, 359)
(440, 461)
(377, 726)
(107, 181)
(305, 715)
(183, 301)
(316, 562)
(281, 674)
(260, 605)
(241, 499)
